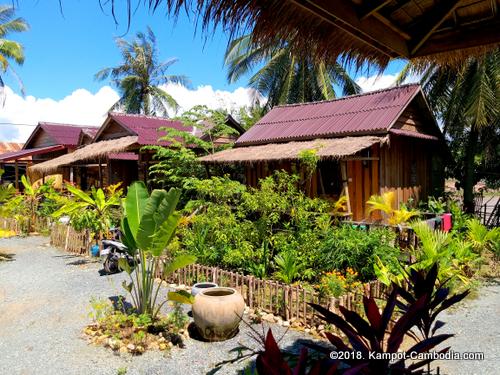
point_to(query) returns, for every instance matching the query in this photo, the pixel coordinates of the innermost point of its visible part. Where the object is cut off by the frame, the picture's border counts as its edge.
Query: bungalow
(47, 141)
(365, 144)
(115, 153)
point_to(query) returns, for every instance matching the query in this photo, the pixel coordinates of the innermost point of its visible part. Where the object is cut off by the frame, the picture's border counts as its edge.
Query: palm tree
(466, 98)
(140, 75)
(286, 77)
(10, 50)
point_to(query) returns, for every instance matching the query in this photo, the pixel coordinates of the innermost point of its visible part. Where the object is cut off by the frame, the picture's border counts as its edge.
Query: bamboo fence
(290, 302)
(9, 223)
(66, 238)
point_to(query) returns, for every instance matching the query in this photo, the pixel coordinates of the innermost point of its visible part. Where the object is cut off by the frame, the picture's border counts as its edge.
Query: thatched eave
(331, 148)
(92, 151)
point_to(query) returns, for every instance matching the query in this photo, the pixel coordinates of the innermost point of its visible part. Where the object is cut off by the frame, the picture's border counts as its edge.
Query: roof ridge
(64, 124)
(349, 96)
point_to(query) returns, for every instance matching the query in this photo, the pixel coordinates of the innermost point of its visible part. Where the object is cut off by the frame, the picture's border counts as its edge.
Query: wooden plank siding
(406, 168)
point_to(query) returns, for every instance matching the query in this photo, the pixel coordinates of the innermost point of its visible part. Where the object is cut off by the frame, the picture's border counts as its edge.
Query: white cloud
(213, 99)
(377, 82)
(82, 107)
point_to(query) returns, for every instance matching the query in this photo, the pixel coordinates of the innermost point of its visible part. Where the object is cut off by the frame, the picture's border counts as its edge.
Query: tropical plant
(288, 268)
(370, 342)
(285, 77)
(336, 283)
(94, 208)
(148, 226)
(7, 191)
(178, 163)
(345, 246)
(466, 99)
(9, 49)
(386, 203)
(140, 75)
(480, 237)
(456, 258)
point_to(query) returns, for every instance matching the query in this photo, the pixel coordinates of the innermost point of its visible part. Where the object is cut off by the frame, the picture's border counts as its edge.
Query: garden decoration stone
(217, 313)
(198, 287)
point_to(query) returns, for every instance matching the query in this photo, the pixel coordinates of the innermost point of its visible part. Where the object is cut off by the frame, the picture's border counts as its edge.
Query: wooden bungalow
(116, 154)
(367, 144)
(47, 141)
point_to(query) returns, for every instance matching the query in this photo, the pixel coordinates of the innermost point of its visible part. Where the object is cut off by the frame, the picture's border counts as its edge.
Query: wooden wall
(408, 167)
(363, 178)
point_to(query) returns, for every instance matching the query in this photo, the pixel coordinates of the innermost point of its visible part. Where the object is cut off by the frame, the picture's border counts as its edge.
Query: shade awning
(16, 155)
(330, 148)
(91, 151)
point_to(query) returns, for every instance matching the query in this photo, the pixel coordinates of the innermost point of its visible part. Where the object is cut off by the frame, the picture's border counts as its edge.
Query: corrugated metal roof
(65, 134)
(370, 113)
(147, 128)
(10, 147)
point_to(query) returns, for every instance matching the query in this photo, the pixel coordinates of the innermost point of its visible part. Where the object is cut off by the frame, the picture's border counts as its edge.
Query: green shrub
(358, 249)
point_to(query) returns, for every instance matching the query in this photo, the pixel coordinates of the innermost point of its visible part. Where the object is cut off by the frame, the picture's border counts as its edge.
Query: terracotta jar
(217, 313)
(198, 287)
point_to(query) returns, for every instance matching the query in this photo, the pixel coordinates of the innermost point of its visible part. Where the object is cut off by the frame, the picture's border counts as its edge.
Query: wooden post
(343, 171)
(100, 173)
(16, 168)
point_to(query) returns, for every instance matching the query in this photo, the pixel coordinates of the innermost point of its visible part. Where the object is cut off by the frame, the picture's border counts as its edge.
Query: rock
(114, 344)
(153, 346)
(161, 339)
(307, 330)
(286, 323)
(321, 327)
(140, 349)
(123, 350)
(162, 346)
(170, 345)
(268, 317)
(131, 347)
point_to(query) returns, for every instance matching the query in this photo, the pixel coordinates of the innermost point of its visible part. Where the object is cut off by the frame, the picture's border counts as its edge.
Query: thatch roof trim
(91, 151)
(329, 148)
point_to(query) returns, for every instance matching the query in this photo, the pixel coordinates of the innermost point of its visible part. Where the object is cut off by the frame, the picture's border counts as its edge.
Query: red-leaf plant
(370, 335)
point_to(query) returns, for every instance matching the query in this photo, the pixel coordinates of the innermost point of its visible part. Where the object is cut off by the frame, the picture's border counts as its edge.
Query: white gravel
(476, 325)
(44, 305)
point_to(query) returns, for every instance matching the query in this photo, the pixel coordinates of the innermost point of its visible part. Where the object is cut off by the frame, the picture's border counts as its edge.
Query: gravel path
(44, 305)
(476, 325)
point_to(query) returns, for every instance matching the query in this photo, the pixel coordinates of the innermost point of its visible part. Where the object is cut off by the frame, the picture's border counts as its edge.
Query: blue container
(94, 250)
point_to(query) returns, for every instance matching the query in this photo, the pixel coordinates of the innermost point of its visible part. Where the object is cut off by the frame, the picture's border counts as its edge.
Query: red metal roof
(147, 128)
(20, 154)
(65, 134)
(370, 113)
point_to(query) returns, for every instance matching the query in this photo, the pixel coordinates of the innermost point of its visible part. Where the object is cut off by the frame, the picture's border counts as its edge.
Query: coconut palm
(140, 75)
(467, 100)
(286, 77)
(9, 49)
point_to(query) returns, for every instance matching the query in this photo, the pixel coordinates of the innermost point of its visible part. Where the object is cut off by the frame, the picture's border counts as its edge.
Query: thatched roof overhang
(92, 151)
(442, 31)
(332, 148)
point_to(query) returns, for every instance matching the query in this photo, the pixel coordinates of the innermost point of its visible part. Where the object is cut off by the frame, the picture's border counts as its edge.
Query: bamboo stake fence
(290, 302)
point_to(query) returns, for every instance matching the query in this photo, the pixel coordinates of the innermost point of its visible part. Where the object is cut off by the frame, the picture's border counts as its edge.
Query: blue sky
(64, 51)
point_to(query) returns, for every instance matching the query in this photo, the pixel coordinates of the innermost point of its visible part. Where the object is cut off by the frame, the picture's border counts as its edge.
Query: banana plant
(148, 226)
(97, 201)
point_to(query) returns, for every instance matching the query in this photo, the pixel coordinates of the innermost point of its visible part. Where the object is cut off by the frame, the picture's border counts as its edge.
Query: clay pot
(198, 287)
(217, 313)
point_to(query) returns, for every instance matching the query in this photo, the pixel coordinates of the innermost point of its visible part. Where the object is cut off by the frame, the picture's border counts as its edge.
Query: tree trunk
(468, 176)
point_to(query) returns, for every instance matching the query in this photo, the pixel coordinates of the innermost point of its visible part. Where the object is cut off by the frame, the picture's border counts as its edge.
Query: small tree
(148, 226)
